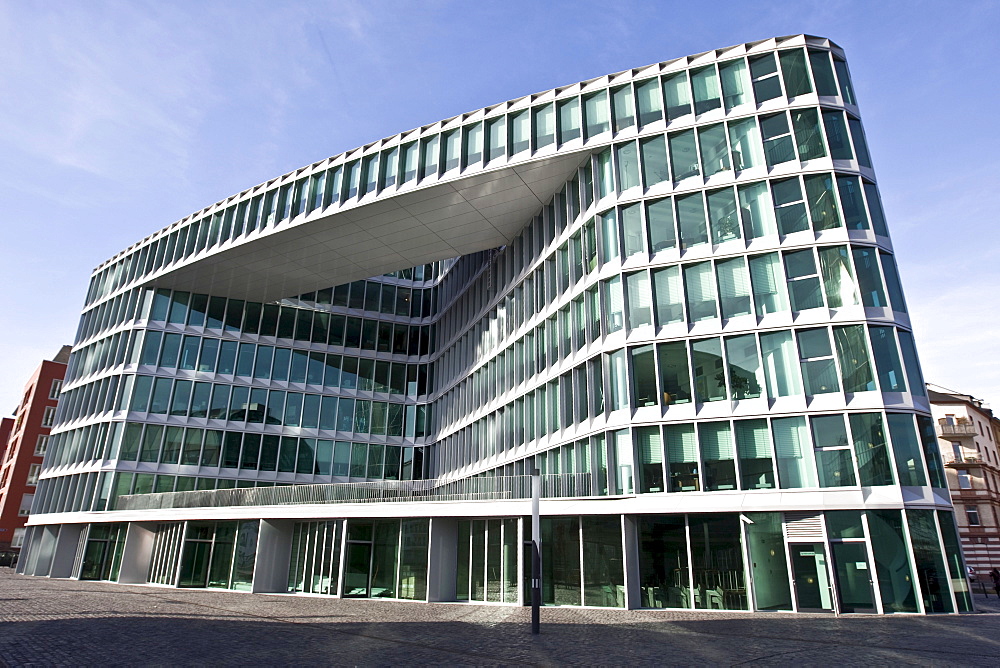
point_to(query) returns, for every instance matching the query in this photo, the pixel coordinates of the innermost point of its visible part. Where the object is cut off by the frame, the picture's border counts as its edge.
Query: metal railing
(946, 429)
(565, 485)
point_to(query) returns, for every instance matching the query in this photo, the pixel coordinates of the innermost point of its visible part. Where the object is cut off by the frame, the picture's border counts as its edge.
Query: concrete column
(274, 550)
(442, 559)
(64, 554)
(630, 536)
(138, 552)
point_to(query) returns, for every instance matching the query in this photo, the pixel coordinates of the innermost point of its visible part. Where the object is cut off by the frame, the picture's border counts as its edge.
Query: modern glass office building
(670, 289)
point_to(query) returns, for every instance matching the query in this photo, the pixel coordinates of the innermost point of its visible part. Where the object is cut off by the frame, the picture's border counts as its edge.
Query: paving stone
(47, 622)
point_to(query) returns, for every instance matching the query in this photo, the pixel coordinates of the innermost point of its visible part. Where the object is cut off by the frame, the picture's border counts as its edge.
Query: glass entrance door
(811, 577)
(854, 578)
(357, 570)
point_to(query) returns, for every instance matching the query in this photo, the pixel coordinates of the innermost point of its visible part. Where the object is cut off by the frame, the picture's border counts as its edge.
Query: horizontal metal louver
(804, 526)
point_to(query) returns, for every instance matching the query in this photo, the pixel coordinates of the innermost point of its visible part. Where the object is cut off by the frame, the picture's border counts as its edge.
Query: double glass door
(851, 573)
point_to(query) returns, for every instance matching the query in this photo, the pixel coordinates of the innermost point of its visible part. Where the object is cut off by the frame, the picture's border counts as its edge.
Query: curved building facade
(671, 290)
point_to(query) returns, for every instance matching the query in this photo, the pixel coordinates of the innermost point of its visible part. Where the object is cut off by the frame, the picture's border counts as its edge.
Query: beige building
(968, 433)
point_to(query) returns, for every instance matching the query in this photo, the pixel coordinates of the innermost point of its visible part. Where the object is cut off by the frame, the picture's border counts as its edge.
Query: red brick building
(26, 439)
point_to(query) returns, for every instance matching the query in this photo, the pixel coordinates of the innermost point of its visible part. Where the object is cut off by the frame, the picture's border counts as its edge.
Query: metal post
(536, 551)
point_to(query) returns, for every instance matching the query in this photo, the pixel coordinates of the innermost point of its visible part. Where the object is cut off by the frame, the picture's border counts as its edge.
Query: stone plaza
(68, 622)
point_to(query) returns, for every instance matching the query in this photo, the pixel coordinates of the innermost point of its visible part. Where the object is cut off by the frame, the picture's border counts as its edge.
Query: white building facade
(670, 289)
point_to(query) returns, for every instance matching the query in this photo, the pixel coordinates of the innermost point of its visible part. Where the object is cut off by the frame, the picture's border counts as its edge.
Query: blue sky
(118, 118)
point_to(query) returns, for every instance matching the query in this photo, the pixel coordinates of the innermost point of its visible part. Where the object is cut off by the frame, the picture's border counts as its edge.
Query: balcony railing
(958, 461)
(956, 430)
(566, 485)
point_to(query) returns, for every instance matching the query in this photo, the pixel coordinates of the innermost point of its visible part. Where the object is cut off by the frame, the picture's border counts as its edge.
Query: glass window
(709, 372)
(768, 284)
(675, 376)
(611, 293)
(852, 202)
(735, 83)
(496, 136)
(545, 125)
(915, 378)
(734, 287)
(409, 161)
(643, 376)
(705, 85)
(473, 145)
(722, 215)
(906, 448)
(632, 232)
(684, 155)
(569, 119)
(700, 290)
(430, 147)
(660, 219)
(717, 455)
(669, 295)
(520, 130)
(650, 448)
(451, 149)
(389, 167)
(617, 380)
(780, 364)
(746, 377)
(691, 220)
(714, 150)
(836, 135)
(756, 211)
(929, 561)
(794, 72)
(838, 278)
(892, 282)
(764, 74)
(677, 95)
(640, 301)
(822, 73)
(754, 447)
(596, 114)
(890, 371)
(744, 137)
(682, 457)
(846, 89)
(791, 445)
(605, 174)
(650, 105)
(623, 107)
(875, 209)
(789, 206)
(778, 144)
(871, 449)
(819, 372)
(627, 158)
(822, 202)
(866, 263)
(803, 281)
(852, 353)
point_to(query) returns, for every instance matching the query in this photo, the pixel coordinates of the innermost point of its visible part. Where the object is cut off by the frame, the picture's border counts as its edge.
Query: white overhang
(385, 233)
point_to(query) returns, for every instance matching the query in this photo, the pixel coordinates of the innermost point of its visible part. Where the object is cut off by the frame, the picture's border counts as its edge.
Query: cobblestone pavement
(64, 622)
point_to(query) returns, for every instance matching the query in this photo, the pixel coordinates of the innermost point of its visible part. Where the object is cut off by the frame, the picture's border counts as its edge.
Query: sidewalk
(66, 622)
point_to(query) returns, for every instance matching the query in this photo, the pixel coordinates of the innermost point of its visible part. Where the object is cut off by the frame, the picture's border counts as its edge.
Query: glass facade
(705, 303)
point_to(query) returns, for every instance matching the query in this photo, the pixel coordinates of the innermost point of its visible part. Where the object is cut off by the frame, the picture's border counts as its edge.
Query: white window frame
(55, 389)
(49, 417)
(41, 445)
(34, 471)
